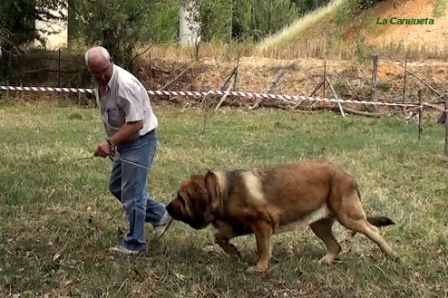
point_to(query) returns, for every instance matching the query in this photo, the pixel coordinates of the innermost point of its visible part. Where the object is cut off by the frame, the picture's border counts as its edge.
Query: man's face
(101, 71)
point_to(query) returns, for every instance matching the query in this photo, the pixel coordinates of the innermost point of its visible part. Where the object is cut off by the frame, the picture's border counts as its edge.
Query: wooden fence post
(446, 124)
(420, 113)
(59, 67)
(374, 77)
(404, 79)
(325, 82)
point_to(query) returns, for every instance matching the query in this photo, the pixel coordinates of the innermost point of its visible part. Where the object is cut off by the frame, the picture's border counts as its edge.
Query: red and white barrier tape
(221, 93)
(45, 89)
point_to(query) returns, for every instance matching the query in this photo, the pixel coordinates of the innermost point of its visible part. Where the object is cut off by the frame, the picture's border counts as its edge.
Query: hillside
(430, 36)
(323, 37)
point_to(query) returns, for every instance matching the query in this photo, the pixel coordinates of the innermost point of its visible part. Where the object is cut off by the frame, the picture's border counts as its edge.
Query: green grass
(49, 246)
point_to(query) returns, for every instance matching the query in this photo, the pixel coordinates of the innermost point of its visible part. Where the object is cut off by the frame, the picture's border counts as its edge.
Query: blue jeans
(129, 184)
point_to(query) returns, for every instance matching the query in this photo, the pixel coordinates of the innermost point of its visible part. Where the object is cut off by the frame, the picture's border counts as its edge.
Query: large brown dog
(272, 200)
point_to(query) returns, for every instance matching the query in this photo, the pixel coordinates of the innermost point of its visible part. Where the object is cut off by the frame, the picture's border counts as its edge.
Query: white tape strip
(44, 89)
(212, 92)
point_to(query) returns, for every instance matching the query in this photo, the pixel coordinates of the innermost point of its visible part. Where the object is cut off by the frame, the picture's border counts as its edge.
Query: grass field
(58, 219)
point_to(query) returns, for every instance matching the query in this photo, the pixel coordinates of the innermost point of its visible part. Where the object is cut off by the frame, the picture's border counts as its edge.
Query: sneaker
(125, 251)
(163, 225)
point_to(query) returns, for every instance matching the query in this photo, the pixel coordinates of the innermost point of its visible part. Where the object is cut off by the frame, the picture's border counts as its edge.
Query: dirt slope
(325, 37)
(424, 35)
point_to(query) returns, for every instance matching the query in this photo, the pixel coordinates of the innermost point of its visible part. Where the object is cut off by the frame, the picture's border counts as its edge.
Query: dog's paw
(394, 257)
(256, 269)
(328, 260)
(238, 254)
(233, 250)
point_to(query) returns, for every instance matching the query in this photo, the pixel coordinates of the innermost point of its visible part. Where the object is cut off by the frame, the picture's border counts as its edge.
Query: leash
(128, 162)
(131, 163)
(113, 159)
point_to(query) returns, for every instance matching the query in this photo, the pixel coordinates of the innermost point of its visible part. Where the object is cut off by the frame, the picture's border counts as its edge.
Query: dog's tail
(380, 221)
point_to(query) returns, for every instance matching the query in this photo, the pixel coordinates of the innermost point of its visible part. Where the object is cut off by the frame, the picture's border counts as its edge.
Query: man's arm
(126, 132)
(130, 103)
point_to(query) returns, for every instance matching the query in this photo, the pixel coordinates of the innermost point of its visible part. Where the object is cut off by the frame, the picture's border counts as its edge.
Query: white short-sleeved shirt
(126, 100)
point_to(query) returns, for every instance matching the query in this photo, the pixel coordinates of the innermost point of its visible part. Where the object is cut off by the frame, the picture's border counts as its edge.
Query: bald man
(130, 126)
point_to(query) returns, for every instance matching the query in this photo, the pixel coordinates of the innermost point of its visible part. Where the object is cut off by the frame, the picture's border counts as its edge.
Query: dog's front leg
(263, 236)
(223, 242)
(222, 237)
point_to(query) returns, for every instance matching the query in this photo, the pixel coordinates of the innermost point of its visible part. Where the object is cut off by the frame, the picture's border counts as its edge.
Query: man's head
(99, 64)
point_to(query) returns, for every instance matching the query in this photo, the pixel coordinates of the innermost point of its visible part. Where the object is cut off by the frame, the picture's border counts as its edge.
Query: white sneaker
(163, 225)
(124, 251)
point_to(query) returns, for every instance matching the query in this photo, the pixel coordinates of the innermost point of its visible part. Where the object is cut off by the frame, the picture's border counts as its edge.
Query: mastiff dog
(272, 200)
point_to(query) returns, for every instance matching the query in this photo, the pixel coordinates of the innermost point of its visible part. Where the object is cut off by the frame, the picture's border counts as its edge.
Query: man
(130, 126)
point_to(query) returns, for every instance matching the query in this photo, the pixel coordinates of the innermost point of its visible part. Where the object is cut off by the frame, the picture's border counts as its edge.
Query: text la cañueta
(398, 21)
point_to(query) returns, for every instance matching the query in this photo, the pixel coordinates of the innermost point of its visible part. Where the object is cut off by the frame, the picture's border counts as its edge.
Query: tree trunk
(72, 28)
(6, 58)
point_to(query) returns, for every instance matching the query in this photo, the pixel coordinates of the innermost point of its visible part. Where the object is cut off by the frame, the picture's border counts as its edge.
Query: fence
(384, 84)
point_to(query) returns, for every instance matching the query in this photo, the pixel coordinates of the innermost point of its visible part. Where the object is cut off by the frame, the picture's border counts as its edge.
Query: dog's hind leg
(352, 217)
(322, 229)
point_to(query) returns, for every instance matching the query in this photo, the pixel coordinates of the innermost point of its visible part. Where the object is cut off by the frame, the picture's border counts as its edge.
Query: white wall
(188, 29)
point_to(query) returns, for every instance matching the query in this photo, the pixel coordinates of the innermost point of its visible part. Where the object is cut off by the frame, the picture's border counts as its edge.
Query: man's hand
(126, 132)
(103, 150)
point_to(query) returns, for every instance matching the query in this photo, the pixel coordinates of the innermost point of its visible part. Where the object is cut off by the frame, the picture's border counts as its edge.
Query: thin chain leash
(128, 162)
(113, 159)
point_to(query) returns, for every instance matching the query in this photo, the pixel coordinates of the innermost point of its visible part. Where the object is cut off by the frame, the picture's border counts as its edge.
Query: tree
(243, 19)
(310, 5)
(119, 26)
(270, 16)
(17, 27)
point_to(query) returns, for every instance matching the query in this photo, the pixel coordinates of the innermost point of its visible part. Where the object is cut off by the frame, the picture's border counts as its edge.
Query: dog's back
(296, 193)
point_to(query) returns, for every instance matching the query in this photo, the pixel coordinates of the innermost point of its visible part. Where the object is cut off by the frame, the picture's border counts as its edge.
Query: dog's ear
(211, 183)
(214, 192)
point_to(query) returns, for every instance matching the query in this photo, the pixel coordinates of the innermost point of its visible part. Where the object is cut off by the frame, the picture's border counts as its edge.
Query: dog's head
(195, 201)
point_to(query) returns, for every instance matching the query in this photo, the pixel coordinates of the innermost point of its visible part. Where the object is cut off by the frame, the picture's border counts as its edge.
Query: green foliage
(310, 5)
(17, 27)
(344, 13)
(244, 19)
(17, 18)
(124, 26)
(163, 22)
(238, 20)
(214, 17)
(112, 24)
(254, 20)
(120, 26)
